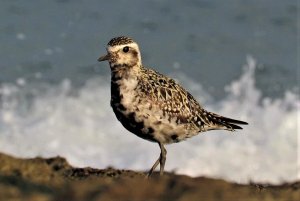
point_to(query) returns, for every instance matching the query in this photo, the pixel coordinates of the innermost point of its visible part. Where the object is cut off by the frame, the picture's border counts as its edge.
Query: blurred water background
(237, 57)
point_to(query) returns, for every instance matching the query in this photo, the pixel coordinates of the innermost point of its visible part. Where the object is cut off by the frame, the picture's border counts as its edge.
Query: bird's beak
(104, 58)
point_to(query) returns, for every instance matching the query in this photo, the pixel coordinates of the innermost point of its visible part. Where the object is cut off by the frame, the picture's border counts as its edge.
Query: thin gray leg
(163, 156)
(161, 160)
(153, 167)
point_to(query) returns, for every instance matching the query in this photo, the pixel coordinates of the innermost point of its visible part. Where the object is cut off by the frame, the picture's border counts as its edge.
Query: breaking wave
(79, 124)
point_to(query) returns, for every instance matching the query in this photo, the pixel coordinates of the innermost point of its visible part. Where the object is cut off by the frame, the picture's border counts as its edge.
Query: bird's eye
(126, 49)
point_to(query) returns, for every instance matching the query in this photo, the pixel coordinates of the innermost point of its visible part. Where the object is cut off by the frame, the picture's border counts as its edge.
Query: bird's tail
(228, 123)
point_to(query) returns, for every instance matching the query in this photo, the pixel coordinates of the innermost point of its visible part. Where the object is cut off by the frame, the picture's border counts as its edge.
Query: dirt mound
(54, 179)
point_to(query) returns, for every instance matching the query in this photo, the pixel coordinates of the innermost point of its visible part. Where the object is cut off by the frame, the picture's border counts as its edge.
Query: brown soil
(40, 179)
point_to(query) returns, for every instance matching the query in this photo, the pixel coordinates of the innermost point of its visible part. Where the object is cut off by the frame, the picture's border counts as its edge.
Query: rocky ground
(40, 179)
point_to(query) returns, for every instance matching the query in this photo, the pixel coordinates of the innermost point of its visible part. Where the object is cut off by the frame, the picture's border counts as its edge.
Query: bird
(153, 106)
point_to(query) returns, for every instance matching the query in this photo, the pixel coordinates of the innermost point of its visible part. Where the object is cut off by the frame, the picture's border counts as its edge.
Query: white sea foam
(81, 126)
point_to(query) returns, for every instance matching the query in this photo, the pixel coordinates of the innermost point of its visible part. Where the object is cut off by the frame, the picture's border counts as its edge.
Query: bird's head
(122, 52)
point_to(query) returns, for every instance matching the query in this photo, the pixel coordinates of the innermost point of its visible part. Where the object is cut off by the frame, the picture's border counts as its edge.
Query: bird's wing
(179, 104)
(172, 99)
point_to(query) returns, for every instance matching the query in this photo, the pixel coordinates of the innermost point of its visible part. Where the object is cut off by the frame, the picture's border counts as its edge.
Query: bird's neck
(124, 81)
(125, 72)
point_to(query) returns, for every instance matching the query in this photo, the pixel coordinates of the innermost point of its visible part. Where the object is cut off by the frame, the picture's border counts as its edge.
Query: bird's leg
(161, 160)
(153, 167)
(163, 156)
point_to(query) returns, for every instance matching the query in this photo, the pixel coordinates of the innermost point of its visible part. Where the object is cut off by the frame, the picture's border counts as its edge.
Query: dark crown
(121, 40)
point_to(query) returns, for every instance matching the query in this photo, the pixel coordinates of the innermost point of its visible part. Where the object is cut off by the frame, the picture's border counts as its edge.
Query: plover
(153, 106)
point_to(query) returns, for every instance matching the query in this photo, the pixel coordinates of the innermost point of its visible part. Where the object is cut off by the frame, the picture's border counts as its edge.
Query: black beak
(104, 58)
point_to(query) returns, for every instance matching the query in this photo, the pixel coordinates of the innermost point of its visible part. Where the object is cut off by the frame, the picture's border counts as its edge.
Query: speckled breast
(126, 113)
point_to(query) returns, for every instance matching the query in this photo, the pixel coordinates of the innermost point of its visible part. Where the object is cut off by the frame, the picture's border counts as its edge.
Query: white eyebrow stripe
(118, 47)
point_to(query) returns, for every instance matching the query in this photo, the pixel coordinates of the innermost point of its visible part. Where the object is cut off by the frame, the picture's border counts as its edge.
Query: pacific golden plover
(153, 106)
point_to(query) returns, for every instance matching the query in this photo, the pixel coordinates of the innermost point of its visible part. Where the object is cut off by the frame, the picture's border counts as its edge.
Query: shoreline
(55, 179)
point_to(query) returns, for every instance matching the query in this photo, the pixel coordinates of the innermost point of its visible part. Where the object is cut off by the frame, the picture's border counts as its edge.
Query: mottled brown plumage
(153, 106)
(122, 40)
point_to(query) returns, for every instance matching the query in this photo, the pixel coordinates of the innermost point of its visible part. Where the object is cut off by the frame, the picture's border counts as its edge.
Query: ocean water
(238, 58)
(80, 126)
